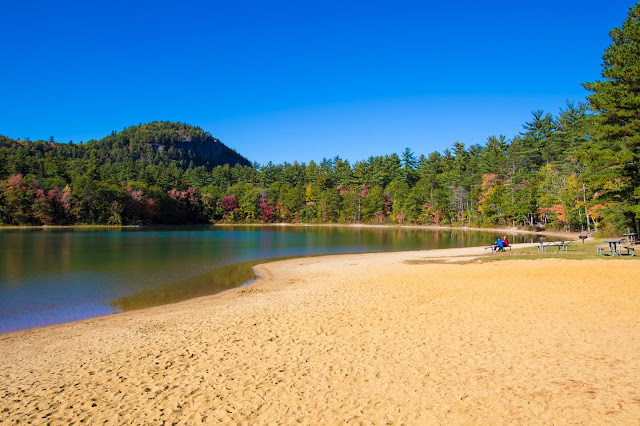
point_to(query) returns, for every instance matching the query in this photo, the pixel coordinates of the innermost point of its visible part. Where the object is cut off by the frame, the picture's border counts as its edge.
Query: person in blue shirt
(500, 245)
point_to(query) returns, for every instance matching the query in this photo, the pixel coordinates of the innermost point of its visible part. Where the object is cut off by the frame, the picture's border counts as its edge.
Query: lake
(51, 276)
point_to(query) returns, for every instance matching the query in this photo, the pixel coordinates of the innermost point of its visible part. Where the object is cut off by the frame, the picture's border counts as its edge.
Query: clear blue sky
(298, 80)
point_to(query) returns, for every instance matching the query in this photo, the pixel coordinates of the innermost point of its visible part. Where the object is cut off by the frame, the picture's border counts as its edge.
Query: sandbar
(420, 337)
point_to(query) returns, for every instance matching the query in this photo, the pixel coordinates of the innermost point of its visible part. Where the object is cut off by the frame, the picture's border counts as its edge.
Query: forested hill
(158, 143)
(161, 141)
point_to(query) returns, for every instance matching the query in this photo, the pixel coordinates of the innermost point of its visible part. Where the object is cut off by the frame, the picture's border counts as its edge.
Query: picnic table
(561, 244)
(494, 247)
(632, 237)
(491, 247)
(615, 247)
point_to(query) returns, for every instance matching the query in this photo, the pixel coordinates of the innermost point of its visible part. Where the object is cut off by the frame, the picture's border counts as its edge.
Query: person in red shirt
(504, 240)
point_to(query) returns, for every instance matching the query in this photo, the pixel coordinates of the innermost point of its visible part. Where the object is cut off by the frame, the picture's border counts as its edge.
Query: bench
(493, 249)
(631, 251)
(600, 248)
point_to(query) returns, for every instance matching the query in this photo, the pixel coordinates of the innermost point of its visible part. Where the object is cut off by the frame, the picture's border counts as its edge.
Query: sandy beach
(423, 337)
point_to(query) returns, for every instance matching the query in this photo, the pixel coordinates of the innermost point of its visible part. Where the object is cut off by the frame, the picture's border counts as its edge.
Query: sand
(389, 338)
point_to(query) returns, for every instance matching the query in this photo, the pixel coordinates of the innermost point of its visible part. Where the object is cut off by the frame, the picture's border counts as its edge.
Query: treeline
(579, 169)
(534, 178)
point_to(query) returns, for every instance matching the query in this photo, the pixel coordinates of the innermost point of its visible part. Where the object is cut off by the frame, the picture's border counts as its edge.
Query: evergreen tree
(493, 158)
(572, 131)
(530, 151)
(616, 99)
(392, 169)
(408, 165)
(342, 170)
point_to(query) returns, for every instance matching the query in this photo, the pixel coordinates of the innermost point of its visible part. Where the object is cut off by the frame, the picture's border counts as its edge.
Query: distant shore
(416, 337)
(498, 230)
(80, 226)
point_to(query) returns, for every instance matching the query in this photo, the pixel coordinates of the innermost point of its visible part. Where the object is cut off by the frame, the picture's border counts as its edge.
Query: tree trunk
(586, 211)
(580, 215)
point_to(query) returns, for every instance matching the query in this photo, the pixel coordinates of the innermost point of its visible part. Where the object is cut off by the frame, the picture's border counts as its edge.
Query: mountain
(168, 141)
(148, 173)
(160, 144)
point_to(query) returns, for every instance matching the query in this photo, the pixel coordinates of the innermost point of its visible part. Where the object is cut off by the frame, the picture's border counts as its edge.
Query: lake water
(51, 276)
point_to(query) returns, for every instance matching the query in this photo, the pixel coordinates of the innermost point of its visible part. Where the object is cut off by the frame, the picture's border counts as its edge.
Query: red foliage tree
(229, 205)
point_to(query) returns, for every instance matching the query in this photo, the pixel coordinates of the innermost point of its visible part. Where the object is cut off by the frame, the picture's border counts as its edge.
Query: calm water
(54, 276)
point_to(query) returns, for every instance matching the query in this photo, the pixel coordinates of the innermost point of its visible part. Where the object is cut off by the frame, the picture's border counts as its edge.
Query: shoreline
(415, 337)
(509, 230)
(497, 230)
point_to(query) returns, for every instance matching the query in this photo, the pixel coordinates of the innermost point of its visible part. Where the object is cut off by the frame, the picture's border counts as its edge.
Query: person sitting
(505, 241)
(499, 245)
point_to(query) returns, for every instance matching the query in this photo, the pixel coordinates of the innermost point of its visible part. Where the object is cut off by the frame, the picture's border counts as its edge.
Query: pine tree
(616, 99)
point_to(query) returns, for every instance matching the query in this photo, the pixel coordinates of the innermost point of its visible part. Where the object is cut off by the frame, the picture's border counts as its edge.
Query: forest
(574, 170)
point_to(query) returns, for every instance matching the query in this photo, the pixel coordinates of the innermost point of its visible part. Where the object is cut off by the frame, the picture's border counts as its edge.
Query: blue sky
(298, 80)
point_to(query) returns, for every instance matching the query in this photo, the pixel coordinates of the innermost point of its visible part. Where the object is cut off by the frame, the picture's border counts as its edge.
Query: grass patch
(576, 250)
